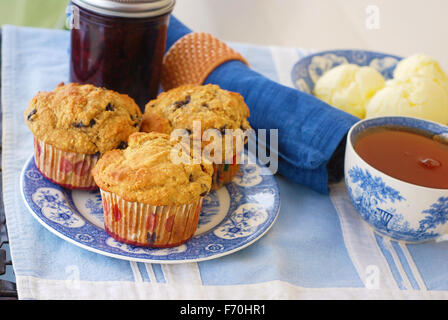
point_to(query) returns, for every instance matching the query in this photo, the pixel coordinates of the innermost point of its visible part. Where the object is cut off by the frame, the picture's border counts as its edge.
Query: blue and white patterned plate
(309, 69)
(232, 217)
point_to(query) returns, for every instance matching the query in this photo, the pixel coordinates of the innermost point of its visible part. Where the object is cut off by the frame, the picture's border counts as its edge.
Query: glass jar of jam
(119, 45)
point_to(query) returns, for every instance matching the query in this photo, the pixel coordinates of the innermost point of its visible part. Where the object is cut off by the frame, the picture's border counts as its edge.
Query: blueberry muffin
(214, 109)
(148, 199)
(74, 125)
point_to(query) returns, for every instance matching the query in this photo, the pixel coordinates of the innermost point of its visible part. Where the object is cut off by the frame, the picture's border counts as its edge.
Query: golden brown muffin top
(144, 172)
(83, 118)
(214, 107)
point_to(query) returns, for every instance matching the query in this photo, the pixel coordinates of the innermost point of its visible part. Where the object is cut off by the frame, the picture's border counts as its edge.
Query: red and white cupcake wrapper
(68, 169)
(142, 224)
(224, 174)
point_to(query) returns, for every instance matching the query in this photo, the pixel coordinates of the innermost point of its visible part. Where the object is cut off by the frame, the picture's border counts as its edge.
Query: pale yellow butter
(418, 97)
(349, 87)
(421, 65)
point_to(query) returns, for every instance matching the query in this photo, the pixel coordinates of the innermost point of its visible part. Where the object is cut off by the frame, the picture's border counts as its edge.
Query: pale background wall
(400, 27)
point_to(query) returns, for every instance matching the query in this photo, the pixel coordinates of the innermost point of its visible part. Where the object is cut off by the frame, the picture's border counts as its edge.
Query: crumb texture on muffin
(214, 107)
(83, 118)
(144, 172)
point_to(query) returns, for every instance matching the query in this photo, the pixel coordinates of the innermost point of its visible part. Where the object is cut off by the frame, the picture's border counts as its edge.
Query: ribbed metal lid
(127, 8)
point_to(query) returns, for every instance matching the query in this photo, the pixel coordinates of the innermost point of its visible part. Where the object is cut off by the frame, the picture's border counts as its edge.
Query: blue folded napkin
(309, 130)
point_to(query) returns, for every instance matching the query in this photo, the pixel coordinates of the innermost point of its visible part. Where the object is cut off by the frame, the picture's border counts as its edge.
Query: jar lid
(128, 8)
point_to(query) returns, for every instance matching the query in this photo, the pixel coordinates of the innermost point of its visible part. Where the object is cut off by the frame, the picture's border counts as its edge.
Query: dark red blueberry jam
(121, 54)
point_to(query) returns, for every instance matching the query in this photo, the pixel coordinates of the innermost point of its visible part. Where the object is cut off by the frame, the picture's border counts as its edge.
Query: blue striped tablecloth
(318, 248)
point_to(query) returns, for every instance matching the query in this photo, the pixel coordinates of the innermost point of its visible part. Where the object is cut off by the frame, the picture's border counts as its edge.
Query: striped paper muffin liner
(146, 225)
(68, 169)
(224, 173)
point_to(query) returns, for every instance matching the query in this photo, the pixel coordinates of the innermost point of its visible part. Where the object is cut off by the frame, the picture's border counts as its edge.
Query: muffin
(213, 109)
(74, 125)
(148, 199)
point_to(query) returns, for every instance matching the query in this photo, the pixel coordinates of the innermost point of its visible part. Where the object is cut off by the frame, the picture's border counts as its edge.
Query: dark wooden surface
(7, 287)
